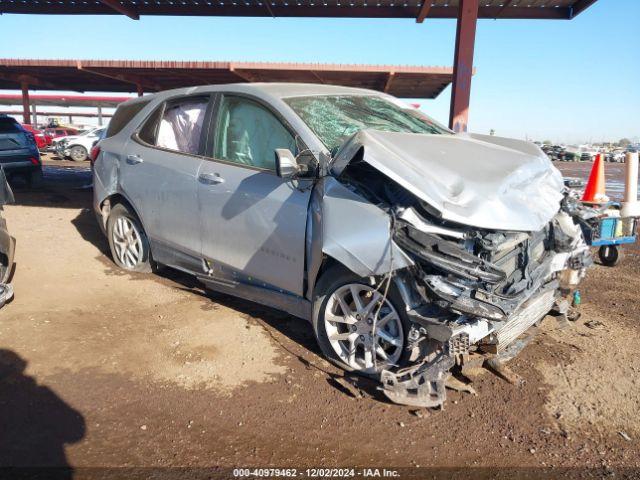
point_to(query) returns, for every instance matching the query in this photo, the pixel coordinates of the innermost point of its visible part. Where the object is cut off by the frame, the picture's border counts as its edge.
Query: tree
(547, 142)
(624, 142)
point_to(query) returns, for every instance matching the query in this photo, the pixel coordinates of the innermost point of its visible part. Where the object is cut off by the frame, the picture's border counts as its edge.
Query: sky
(565, 81)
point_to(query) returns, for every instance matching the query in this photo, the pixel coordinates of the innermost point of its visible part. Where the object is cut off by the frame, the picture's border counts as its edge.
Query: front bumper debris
(421, 385)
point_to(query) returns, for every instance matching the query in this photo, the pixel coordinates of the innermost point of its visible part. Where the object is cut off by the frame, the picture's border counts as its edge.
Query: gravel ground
(101, 368)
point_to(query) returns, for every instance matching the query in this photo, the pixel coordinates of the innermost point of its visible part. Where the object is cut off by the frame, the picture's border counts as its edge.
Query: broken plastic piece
(418, 386)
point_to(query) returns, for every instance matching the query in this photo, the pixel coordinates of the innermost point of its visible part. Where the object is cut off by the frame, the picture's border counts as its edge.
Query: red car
(41, 139)
(57, 132)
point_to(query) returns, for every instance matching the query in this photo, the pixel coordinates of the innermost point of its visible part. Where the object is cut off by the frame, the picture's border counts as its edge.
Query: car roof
(277, 90)
(286, 90)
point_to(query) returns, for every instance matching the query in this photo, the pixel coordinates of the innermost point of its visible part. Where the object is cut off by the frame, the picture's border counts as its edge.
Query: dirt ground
(101, 368)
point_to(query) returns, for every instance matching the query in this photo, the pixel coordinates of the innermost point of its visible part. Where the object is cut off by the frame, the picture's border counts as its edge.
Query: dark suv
(19, 153)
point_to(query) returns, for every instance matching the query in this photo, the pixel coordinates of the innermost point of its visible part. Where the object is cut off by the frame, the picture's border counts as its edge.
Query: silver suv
(408, 247)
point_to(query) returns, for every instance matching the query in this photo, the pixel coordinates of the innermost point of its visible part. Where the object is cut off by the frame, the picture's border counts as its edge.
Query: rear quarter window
(123, 116)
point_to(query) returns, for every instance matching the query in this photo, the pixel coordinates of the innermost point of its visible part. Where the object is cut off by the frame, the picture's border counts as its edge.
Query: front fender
(348, 228)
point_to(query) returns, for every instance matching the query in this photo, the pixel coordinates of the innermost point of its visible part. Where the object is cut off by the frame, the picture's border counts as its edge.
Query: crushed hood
(477, 180)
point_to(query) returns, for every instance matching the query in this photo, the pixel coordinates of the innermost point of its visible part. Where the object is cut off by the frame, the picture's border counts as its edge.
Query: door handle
(210, 178)
(134, 159)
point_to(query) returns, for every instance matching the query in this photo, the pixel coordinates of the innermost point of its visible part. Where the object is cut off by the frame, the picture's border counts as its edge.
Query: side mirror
(286, 165)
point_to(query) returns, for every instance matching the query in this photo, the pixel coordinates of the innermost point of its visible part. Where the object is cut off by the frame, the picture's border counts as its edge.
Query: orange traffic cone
(595, 191)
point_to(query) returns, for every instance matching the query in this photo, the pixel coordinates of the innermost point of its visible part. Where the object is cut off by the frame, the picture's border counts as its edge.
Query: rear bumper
(22, 165)
(19, 162)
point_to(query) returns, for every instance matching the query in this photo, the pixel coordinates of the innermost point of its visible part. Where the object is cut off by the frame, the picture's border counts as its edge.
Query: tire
(343, 338)
(128, 241)
(609, 255)
(78, 153)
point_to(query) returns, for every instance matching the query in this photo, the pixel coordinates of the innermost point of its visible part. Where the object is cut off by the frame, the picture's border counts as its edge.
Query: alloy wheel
(78, 154)
(363, 328)
(127, 242)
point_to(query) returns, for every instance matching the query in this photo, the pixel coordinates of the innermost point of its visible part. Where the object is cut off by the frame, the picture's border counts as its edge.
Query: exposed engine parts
(478, 291)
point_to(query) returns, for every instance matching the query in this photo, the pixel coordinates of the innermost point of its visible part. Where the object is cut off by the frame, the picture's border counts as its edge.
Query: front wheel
(127, 240)
(78, 153)
(356, 327)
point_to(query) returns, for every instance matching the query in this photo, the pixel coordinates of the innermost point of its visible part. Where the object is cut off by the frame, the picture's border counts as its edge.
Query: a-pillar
(463, 65)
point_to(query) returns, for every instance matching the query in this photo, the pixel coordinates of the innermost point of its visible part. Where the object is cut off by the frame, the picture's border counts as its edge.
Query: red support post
(140, 91)
(26, 114)
(463, 65)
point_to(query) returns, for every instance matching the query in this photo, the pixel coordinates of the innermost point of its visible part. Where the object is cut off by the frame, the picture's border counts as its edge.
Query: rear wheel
(78, 153)
(356, 327)
(128, 241)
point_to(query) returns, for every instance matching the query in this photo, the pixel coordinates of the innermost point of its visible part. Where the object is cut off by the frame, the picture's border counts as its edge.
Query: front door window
(249, 134)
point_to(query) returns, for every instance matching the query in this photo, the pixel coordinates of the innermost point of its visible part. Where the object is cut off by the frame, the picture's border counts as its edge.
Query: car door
(159, 175)
(252, 222)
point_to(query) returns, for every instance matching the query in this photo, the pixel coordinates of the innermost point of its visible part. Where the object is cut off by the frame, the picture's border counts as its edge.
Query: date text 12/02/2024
(315, 472)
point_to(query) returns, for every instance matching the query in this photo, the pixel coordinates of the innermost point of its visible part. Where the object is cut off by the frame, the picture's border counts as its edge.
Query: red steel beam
(463, 65)
(26, 114)
(389, 80)
(424, 11)
(118, 7)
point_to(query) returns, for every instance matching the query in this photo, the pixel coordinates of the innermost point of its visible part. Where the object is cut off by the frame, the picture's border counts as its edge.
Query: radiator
(524, 318)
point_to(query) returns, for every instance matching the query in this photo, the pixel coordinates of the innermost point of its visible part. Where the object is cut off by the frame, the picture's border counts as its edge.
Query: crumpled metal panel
(477, 180)
(355, 232)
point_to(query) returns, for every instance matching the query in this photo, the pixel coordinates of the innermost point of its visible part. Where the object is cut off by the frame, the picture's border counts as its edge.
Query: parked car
(58, 132)
(38, 135)
(404, 244)
(616, 156)
(19, 153)
(77, 147)
(7, 243)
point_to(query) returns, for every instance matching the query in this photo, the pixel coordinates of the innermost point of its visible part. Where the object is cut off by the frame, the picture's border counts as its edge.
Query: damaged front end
(481, 291)
(474, 291)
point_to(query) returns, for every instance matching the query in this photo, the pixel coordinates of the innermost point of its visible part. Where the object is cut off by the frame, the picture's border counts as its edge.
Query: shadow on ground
(63, 187)
(36, 424)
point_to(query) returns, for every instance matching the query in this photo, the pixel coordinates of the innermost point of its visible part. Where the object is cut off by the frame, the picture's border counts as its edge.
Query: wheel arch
(113, 199)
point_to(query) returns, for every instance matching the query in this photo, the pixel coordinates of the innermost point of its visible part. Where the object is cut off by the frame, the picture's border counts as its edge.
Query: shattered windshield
(335, 118)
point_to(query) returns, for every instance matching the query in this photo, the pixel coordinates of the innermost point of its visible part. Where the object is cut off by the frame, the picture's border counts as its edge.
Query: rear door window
(180, 127)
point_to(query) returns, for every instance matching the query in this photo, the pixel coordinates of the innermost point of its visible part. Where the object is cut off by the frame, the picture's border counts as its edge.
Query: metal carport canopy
(130, 76)
(543, 9)
(467, 12)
